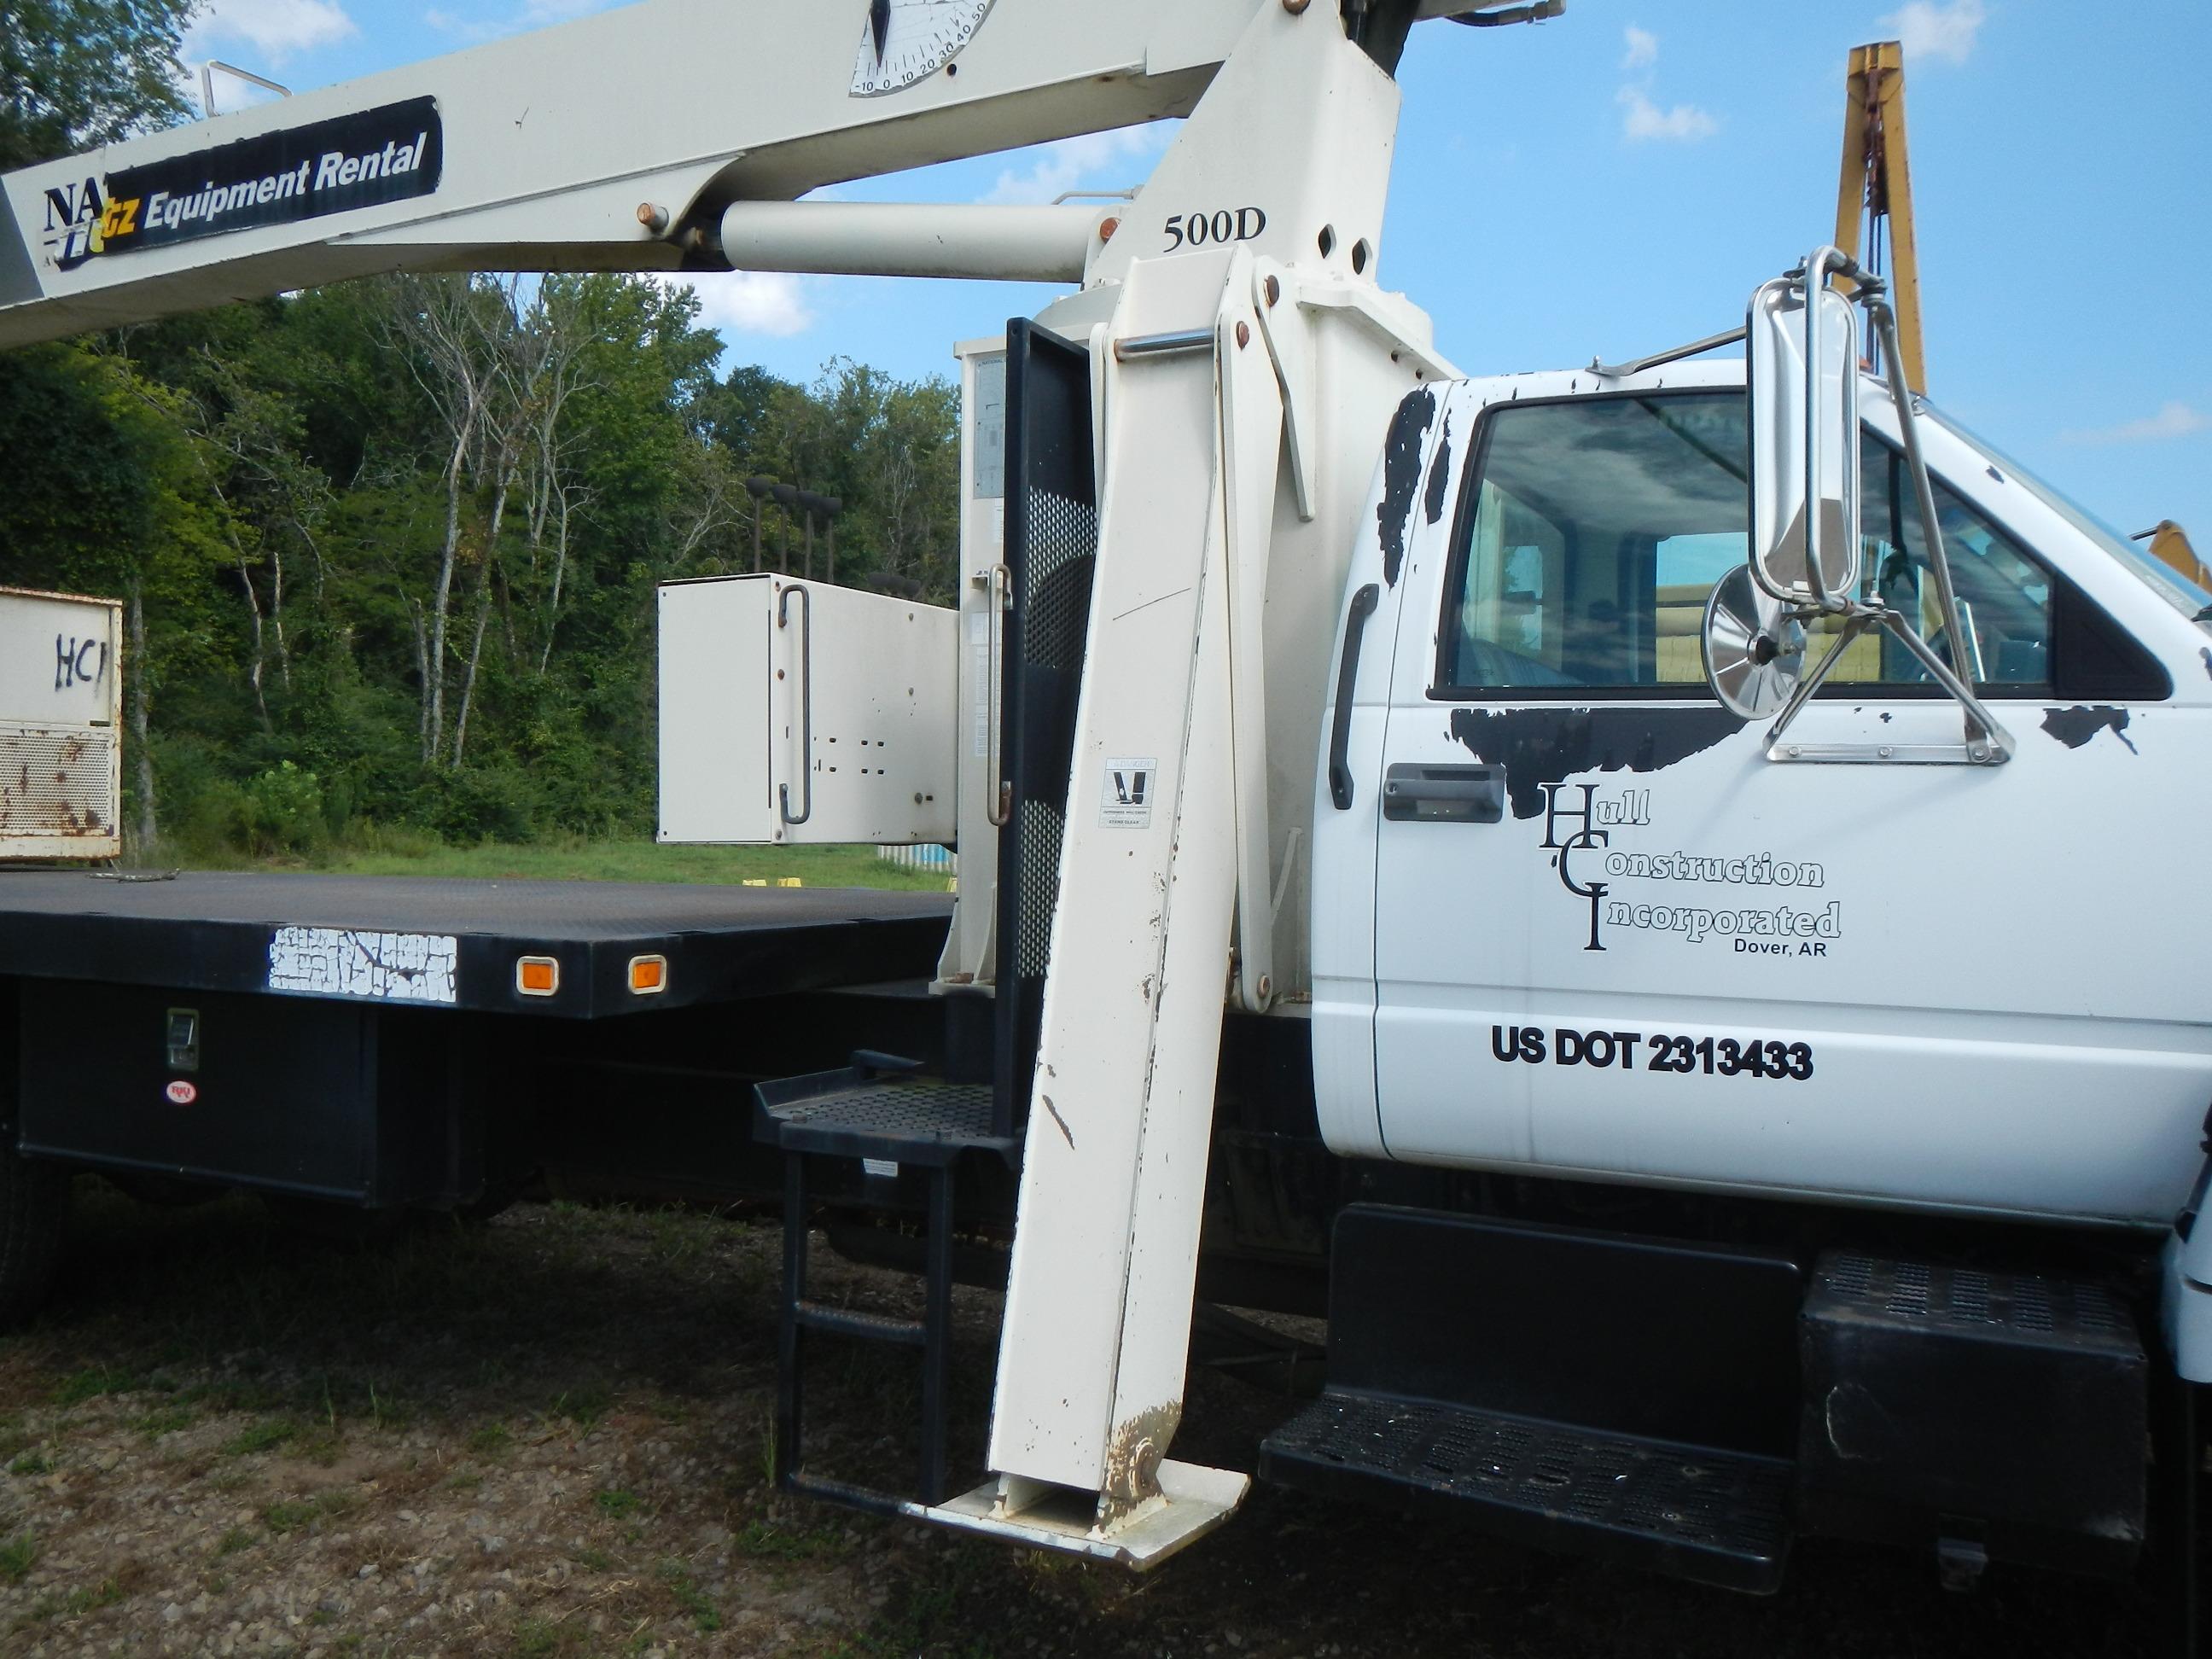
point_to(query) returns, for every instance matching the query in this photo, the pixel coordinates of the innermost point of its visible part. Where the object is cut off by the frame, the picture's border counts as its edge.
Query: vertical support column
(1096, 1339)
(790, 1402)
(936, 1333)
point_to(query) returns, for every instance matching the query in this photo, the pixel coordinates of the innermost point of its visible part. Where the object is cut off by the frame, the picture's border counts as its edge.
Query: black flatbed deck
(454, 943)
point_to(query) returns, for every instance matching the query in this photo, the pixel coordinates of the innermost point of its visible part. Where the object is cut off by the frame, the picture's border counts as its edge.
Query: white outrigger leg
(1206, 369)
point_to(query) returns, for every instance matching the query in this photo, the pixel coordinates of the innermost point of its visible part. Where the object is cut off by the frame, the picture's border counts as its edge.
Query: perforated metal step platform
(1718, 1517)
(868, 1111)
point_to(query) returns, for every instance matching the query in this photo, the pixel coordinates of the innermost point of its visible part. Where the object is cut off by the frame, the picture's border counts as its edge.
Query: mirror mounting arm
(1987, 743)
(1923, 489)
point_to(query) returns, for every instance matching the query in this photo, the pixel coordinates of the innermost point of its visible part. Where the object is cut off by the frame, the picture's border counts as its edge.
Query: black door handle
(1347, 676)
(1444, 794)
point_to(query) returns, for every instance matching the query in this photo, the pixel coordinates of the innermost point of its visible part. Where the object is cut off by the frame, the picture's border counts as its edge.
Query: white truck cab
(1574, 919)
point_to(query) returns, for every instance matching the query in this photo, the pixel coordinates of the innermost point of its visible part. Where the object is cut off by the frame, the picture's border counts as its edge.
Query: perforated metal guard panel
(56, 783)
(1057, 566)
(1650, 1497)
(1051, 551)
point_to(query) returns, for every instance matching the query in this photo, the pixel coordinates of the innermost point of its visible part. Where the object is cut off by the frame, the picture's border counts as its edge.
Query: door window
(1599, 526)
(2004, 596)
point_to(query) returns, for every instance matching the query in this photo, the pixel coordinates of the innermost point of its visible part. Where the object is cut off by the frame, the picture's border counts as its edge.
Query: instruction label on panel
(340, 962)
(1127, 801)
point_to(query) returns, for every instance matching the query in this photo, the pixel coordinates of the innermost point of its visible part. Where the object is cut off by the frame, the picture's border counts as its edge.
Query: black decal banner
(365, 159)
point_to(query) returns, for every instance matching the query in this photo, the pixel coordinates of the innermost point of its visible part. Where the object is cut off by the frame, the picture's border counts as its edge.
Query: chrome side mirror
(1802, 371)
(1754, 648)
(1801, 341)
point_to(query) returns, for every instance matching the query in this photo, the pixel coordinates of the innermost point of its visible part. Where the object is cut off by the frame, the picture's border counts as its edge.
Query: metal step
(861, 1113)
(845, 1493)
(854, 1321)
(1719, 1517)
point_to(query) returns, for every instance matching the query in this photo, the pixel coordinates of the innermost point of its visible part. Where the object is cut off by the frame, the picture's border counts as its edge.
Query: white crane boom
(536, 153)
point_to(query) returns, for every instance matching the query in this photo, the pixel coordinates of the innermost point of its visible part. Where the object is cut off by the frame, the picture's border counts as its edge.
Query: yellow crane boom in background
(1874, 198)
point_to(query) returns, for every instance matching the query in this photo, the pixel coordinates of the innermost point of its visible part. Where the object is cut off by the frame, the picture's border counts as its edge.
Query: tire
(34, 1211)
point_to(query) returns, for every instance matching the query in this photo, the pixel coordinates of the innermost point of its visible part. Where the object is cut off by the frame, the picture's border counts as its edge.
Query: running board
(1192, 1501)
(1718, 1517)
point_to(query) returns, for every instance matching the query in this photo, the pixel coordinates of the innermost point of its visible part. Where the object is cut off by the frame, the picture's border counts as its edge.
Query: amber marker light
(648, 975)
(537, 976)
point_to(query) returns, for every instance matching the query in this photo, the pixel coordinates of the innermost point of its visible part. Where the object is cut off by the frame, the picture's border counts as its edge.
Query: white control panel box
(61, 748)
(793, 712)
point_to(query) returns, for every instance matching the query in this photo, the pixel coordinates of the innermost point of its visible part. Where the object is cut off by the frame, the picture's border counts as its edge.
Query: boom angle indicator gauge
(906, 41)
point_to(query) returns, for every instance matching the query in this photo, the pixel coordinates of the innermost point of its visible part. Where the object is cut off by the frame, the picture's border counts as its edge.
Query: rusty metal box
(61, 750)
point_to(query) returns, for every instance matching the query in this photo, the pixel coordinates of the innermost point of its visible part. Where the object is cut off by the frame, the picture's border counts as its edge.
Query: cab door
(1613, 938)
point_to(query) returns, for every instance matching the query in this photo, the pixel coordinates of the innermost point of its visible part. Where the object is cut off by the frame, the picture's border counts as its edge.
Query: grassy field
(577, 860)
(550, 1436)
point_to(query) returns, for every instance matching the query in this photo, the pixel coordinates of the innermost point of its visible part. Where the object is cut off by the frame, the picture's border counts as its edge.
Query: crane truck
(1631, 890)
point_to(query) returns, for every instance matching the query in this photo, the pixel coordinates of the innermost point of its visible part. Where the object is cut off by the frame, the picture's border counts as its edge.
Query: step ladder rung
(858, 1322)
(845, 1493)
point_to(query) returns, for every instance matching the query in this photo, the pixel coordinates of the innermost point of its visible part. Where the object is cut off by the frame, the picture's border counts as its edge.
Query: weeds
(17, 1556)
(764, 1540)
(261, 1437)
(30, 1463)
(584, 1406)
(92, 1382)
(288, 1517)
(690, 1598)
(616, 1504)
(165, 1420)
(75, 1604)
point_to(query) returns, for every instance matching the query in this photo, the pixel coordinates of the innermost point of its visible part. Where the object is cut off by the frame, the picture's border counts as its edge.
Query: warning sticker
(1125, 803)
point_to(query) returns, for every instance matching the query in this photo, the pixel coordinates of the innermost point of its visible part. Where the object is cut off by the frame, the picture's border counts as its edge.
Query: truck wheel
(34, 1209)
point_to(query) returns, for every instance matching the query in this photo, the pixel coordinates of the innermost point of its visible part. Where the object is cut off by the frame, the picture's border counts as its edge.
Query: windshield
(2177, 589)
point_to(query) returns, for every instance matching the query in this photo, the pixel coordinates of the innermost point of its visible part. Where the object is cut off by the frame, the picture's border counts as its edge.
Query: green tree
(78, 73)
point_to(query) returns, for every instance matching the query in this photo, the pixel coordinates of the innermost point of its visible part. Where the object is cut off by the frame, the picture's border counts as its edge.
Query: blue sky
(1618, 180)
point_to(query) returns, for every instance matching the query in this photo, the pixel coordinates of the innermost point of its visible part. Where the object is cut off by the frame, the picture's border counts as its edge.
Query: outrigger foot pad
(1193, 1501)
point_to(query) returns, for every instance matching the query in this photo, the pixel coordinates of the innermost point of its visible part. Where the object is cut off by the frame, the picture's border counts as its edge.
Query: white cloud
(741, 302)
(1054, 169)
(1941, 31)
(1643, 120)
(512, 20)
(272, 31)
(2174, 419)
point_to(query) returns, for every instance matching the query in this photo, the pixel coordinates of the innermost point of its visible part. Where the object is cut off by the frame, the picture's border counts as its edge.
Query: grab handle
(1347, 676)
(805, 703)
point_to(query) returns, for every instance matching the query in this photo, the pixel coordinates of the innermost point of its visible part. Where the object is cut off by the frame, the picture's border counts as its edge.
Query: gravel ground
(549, 1436)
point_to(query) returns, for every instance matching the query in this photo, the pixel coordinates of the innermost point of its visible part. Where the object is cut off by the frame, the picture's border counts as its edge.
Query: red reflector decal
(181, 1093)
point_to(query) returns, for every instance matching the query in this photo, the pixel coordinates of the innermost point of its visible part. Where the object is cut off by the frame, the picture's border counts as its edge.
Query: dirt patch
(552, 1436)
